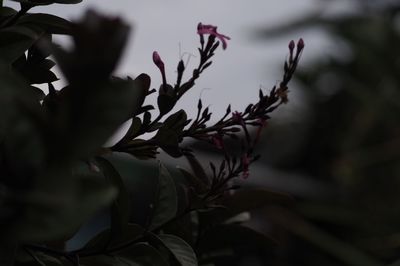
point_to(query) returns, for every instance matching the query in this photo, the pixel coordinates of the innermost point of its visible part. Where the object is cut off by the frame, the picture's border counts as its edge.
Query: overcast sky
(169, 26)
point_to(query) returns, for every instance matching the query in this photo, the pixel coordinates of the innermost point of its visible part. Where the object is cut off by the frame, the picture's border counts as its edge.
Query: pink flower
(160, 64)
(300, 44)
(212, 30)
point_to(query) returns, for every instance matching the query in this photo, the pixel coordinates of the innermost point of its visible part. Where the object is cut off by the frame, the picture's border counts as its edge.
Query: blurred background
(335, 148)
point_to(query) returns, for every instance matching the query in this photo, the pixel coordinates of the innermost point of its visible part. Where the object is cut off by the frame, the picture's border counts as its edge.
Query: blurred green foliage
(349, 140)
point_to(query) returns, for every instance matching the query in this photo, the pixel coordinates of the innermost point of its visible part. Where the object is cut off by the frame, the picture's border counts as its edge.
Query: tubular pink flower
(300, 44)
(212, 30)
(160, 64)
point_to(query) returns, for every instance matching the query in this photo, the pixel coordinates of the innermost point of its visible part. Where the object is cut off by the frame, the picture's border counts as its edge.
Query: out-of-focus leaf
(107, 240)
(168, 135)
(348, 254)
(166, 201)
(143, 254)
(120, 209)
(16, 40)
(193, 181)
(48, 2)
(6, 13)
(182, 251)
(7, 252)
(39, 258)
(49, 23)
(239, 238)
(95, 113)
(60, 204)
(197, 168)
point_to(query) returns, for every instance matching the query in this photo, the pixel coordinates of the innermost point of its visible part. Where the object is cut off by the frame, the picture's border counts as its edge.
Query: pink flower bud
(300, 44)
(160, 64)
(291, 45)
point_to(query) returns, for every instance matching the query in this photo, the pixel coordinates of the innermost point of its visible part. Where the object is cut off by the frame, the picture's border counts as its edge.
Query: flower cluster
(232, 125)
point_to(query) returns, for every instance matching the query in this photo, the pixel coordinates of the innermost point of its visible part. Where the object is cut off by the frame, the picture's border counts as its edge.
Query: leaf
(182, 251)
(143, 254)
(14, 41)
(44, 259)
(7, 252)
(193, 181)
(165, 103)
(166, 203)
(48, 2)
(49, 23)
(94, 113)
(6, 12)
(197, 168)
(60, 204)
(168, 135)
(133, 129)
(120, 209)
(106, 240)
(344, 251)
(105, 260)
(239, 238)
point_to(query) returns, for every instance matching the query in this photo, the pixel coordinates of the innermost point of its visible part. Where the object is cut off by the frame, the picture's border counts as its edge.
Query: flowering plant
(56, 174)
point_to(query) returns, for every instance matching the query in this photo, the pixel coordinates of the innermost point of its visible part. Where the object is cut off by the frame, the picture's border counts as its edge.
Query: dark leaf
(182, 251)
(106, 240)
(15, 41)
(49, 23)
(120, 209)
(166, 202)
(48, 2)
(142, 254)
(165, 103)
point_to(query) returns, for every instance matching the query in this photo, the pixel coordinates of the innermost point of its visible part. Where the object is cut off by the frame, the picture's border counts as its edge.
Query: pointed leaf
(166, 203)
(182, 251)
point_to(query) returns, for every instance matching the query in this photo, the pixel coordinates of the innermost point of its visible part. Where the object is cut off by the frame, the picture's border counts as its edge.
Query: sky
(169, 27)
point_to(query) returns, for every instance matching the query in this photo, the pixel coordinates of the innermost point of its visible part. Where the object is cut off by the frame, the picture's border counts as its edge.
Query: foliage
(56, 175)
(348, 142)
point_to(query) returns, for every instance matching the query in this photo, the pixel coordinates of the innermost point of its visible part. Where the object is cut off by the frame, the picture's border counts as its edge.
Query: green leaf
(8, 251)
(142, 254)
(6, 12)
(120, 209)
(167, 136)
(193, 181)
(48, 2)
(15, 41)
(60, 204)
(234, 237)
(197, 168)
(44, 259)
(94, 113)
(49, 23)
(166, 203)
(106, 239)
(165, 103)
(182, 251)
(105, 260)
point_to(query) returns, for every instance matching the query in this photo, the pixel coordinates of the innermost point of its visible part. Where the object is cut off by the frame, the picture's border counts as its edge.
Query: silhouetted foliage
(56, 174)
